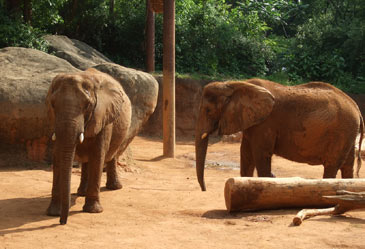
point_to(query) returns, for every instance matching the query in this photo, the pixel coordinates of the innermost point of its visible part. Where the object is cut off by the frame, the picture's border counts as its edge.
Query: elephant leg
(343, 160)
(262, 142)
(54, 208)
(247, 164)
(264, 166)
(81, 191)
(330, 172)
(92, 200)
(113, 182)
(347, 169)
(95, 170)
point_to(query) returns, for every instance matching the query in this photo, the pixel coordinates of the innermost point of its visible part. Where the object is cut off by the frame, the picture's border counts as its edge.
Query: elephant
(91, 115)
(313, 123)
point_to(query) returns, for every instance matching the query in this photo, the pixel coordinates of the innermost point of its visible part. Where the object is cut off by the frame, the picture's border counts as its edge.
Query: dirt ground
(161, 206)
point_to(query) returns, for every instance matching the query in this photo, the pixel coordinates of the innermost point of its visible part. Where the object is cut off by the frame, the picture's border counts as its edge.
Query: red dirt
(161, 206)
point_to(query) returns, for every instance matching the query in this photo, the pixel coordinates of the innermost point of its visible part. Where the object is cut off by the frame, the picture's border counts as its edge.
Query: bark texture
(249, 193)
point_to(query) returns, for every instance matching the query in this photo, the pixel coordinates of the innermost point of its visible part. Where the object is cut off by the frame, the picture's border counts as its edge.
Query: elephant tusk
(204, 135)
(81, 137)
(54, 137)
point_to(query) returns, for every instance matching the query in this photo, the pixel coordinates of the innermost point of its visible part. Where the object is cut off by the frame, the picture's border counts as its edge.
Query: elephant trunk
(201, 144)
(65, 153)
(65, 180)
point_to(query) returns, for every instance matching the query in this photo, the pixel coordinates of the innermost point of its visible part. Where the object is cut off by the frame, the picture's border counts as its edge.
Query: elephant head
(79, 106)
(228, 107)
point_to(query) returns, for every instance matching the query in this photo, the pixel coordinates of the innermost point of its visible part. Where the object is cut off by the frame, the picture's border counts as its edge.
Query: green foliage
(284, 40)
(329, 45)
(14, 33)
(213, 38)
(46, 14)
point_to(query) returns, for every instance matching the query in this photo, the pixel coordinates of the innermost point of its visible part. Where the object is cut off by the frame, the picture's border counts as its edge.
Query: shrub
(16, 34)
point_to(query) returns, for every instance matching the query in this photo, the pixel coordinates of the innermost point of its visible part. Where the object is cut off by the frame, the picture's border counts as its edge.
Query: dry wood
(346, 200)
(250, 193)
(307, 213)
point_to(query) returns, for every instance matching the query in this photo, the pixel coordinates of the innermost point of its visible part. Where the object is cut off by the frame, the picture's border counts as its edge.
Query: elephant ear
(110, 97)
(52, 88)
(247, 106)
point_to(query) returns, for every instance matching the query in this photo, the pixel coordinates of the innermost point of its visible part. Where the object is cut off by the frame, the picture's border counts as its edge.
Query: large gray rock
(142, 90)
(78, 53)
(188, 93)
(25, 75)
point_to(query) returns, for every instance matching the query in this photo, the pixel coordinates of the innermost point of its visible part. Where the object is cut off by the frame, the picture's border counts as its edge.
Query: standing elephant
(91, 115)
(313, 123)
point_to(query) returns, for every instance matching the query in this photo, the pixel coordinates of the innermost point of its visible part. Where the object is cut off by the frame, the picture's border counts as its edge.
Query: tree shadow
(17, 212)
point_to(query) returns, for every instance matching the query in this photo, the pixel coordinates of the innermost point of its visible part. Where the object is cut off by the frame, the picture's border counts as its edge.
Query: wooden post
(251, 193)
(169, 78)
(150, 38)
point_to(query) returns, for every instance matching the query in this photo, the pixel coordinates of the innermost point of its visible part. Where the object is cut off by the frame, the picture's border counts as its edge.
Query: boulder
(78, 53)
(25, 75)
(142, 90)
(188, 93)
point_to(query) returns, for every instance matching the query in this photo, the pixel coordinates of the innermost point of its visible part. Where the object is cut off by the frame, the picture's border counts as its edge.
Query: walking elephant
(91, 115)
(312, 123)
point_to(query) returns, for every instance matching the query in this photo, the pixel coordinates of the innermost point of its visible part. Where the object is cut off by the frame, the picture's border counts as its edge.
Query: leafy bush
(289, 40)
(328, 49)
(214, 38)
(16, 34)
(46, 16)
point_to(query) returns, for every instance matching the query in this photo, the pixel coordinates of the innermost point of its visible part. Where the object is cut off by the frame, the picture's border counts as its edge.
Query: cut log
(251, 193)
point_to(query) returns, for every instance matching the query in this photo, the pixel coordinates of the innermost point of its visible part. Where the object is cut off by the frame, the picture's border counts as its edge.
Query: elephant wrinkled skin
(91, 115)
(312, 123)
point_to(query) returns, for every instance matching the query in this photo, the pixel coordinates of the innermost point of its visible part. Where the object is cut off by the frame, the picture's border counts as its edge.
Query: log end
(297, 221)
(228, 193)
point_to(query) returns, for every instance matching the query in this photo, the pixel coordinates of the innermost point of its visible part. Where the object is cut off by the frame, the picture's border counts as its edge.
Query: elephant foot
(81, 191)
(114, 185)
(92, 206)
(54, 209)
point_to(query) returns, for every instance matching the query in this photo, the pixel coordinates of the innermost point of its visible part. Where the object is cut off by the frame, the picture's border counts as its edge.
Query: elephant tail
(359, 150)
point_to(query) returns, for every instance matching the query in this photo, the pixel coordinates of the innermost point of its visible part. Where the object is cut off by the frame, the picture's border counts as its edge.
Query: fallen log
(345, 200)
(252, 193)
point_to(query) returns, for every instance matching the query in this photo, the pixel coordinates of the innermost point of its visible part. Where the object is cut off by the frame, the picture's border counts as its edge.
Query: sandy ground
(161, 206)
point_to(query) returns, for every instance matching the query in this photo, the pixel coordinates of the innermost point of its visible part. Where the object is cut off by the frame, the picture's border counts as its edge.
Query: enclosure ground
(161, 206)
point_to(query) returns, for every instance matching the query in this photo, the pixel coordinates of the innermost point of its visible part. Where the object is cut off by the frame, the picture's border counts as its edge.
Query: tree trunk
(150, 38)
(111, 8)
(27, 11)
(249, 193)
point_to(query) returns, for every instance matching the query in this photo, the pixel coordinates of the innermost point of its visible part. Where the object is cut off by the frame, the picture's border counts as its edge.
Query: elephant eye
(86, 89)
(87, 92)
